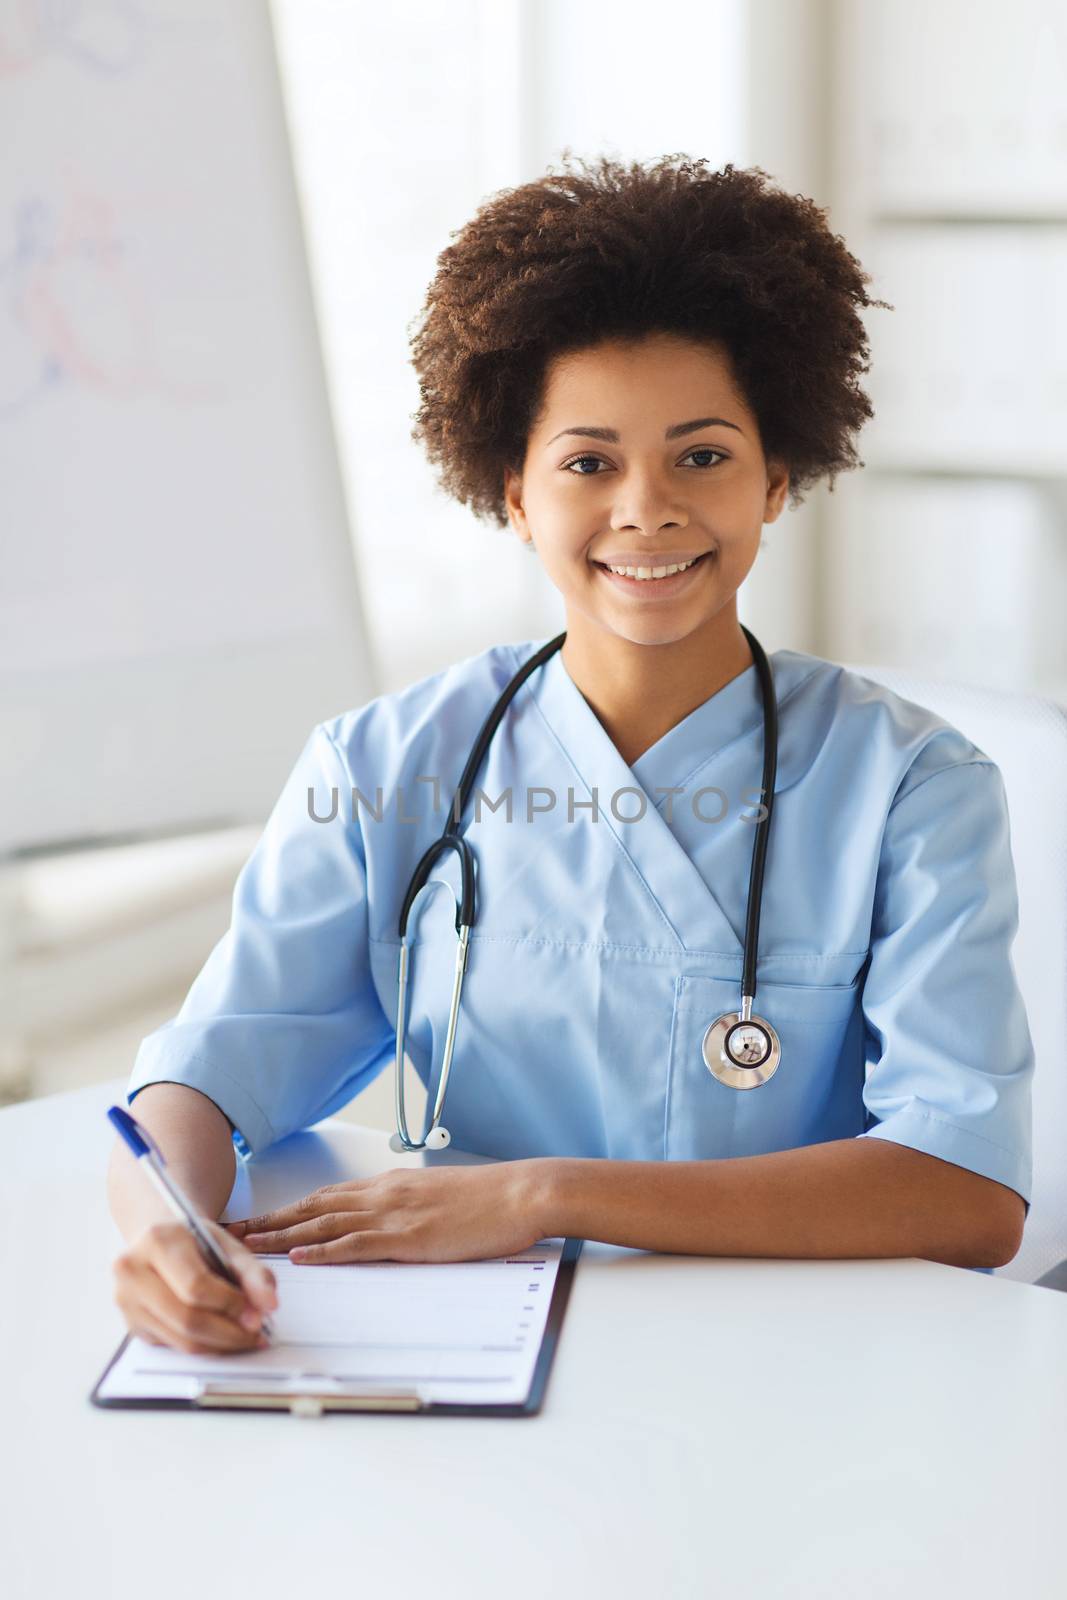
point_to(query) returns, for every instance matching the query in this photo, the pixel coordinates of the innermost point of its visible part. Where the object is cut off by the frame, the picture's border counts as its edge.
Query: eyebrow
(610, 435)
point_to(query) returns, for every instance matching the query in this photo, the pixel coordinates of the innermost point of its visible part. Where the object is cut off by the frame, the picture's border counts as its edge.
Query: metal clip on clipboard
(307, 1395)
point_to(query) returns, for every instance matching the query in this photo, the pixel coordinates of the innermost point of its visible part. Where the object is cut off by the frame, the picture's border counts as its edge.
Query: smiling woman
(633, 369)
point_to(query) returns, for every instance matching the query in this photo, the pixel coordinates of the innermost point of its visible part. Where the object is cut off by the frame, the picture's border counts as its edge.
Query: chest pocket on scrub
(815, 1095)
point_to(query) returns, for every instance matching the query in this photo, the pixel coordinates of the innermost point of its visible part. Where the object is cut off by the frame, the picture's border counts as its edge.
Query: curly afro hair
(618, 251)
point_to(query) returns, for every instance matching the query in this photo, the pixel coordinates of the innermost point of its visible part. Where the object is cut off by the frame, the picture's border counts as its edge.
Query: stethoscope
(740, 1050)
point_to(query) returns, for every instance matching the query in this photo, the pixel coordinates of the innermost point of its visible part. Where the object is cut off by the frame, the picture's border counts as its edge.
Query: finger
(309, 1205)
(203, 1332)
(331, 1197)
(257, 1280)
(154, 1332)
(330, 1225)
(139, 1319)
(262, 1233)
(371, 1244)
(150, 1329)
(282, 1218)
(175, 1255)
(143, 1294)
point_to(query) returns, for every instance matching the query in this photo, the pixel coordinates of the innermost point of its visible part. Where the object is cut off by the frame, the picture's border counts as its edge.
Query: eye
(706, 450)
(698, 450)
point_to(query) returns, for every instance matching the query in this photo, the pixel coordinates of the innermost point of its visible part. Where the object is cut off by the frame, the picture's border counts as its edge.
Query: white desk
(744, 1428)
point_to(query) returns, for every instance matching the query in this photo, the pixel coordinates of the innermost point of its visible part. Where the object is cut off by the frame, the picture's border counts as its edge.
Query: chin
(656, 631)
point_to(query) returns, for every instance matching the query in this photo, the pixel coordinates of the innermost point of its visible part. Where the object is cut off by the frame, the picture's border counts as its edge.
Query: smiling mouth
(645, 577)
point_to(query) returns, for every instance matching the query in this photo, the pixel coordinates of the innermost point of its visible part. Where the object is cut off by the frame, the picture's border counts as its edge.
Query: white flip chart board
(178, 602)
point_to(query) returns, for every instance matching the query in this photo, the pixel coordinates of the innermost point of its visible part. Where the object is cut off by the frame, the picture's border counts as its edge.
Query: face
(645, 455)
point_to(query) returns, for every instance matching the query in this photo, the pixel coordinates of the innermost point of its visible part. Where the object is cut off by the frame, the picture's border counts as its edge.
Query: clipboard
(312, 1394)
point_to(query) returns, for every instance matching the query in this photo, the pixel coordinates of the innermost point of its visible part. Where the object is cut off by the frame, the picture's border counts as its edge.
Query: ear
(513, 505)
(777, 488)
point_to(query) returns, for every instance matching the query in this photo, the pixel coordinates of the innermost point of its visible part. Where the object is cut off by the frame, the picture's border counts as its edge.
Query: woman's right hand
(170, 1296)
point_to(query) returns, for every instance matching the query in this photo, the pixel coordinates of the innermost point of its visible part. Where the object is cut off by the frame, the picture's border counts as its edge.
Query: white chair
(1027, 738)
(88, 935)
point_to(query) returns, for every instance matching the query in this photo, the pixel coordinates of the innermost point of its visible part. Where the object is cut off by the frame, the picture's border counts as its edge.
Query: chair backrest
(1027, 738)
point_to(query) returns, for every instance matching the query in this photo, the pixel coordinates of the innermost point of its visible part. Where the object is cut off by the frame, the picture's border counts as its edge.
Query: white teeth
(653, 572)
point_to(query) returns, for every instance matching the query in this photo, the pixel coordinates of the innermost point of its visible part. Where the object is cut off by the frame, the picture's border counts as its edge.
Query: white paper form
(466, 1332)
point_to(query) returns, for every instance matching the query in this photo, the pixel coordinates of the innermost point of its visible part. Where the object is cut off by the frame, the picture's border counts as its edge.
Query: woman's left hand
(425, 1214)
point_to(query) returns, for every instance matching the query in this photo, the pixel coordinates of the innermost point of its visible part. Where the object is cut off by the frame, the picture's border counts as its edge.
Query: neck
(639, 692)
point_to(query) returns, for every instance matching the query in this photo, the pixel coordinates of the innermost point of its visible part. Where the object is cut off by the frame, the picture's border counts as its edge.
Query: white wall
(948, 553)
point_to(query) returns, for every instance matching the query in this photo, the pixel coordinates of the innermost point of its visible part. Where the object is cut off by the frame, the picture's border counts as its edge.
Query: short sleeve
(950, 1055)
(283, 1024)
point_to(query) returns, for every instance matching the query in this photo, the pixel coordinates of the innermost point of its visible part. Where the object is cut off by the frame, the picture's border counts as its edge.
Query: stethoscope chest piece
(741, 1051)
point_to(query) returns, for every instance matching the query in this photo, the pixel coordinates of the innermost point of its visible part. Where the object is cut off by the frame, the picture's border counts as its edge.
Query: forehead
(653, 368)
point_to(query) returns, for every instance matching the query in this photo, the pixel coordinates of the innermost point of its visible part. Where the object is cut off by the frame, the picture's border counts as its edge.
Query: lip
(654, 588)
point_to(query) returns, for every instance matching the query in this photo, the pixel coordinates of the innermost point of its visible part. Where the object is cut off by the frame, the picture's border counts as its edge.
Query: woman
(632, 368)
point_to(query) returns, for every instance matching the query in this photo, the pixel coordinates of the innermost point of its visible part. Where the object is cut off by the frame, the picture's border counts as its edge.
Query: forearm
(858, 1198)
(196, 1140)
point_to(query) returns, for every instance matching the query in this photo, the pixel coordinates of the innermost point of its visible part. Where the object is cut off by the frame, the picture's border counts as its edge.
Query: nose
(647, 504)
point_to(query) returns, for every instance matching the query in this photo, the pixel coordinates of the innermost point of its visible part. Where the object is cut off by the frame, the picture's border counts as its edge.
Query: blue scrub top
(610, 928)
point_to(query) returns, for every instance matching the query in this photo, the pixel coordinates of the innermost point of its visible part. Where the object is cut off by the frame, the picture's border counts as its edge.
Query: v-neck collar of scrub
(728, 714)
(673, 882)
(732, 712)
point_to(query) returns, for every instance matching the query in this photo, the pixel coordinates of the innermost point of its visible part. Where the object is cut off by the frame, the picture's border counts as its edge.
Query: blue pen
(144, 1147)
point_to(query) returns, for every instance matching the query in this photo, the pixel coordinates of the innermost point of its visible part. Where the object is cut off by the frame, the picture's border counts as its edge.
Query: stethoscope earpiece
(436, 1139)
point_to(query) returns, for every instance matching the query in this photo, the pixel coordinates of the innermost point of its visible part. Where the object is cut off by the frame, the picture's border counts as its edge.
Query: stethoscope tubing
(452, 839)
(763, 827)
